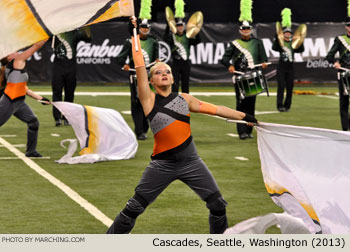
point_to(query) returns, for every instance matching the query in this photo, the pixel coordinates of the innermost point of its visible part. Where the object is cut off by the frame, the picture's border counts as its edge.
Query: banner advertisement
(97, 60)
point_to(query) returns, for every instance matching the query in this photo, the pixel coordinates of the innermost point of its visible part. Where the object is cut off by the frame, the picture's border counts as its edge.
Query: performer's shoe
(58, 122)
(243, 136)
(141, 136)
(66, 123)
(250, 136)
(282, 109)
(34, 154)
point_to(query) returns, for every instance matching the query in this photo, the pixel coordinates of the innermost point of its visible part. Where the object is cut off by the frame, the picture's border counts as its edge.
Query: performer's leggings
(138, 116)
(246, 105)
(23, 112)
(181, 71)
(63, 78)
(190, 169)
(343, 107)
(285, 80)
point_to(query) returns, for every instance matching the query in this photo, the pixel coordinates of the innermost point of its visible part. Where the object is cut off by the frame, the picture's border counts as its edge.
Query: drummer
(245, 53)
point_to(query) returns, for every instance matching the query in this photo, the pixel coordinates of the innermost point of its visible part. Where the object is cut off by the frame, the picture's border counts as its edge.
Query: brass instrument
(194, 24)
(169, 15)
(299, 36)
(279, 32)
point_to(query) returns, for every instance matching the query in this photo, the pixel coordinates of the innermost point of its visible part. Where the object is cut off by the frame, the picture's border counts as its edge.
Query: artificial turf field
(31, 204)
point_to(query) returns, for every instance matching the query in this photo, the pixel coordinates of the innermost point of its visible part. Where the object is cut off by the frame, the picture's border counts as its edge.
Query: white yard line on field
(128, 93)
(15, 145)
(64, 188)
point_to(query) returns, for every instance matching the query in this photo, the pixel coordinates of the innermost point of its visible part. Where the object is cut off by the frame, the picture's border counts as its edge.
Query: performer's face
(287, 36)
(180, 29)
(245, 31)
(161, 75)
(144, 31)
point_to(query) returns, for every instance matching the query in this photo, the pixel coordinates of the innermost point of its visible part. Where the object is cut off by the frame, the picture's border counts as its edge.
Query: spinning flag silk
(24, 22)
(307, 172)
(103, 134)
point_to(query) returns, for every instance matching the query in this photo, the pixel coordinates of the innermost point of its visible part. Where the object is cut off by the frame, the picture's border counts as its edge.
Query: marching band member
(180, 48)
(285, 70)
(174, 152)
(245, 53)
(342, 45)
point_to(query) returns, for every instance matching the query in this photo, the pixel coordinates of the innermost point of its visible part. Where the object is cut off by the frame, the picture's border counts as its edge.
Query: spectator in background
(64, 67)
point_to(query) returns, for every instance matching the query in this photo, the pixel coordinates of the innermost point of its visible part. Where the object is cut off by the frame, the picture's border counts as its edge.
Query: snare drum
(251, 83)
(345, 80)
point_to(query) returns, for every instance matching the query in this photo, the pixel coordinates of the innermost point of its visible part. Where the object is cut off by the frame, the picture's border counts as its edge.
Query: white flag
(103, 134)
(307, 172)
(24, 22)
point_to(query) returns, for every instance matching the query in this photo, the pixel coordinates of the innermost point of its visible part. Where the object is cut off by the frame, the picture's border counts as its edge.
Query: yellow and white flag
(307, 172)
(103, 134)
(24, 22)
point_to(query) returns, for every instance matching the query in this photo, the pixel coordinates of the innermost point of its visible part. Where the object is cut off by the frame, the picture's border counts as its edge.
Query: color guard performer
(174, 152)
(12, 102)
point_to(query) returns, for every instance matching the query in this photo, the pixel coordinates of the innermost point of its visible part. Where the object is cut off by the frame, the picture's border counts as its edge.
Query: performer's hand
(126, 67)
(133, 20)
(132, 24)
(336, 65)
(264, 65)
(45, 101)
(231, 69)
(250, 119)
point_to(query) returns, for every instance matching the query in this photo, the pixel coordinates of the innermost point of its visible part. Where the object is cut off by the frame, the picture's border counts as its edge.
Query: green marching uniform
(64, 66)
(244, 55)
(342, 45)
(180, 54)
(285, 72)
(150, 50)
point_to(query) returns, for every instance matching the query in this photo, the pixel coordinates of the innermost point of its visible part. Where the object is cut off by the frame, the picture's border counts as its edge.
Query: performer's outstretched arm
(198, 106)
(146, 96)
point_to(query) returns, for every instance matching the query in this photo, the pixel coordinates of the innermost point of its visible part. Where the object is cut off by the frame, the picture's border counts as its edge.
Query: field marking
(55, 135)
(242, 158)
(8, 135)
(328, 96)
(128, 93)
(11, 158)
(232, 135)
(94, 211)
(15, 145)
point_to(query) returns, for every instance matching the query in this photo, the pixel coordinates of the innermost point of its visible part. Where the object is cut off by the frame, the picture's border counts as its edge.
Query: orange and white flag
(24, 22)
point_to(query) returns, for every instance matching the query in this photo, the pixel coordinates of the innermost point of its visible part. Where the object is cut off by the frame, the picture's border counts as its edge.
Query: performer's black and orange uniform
(12, 103)
(174, 157)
